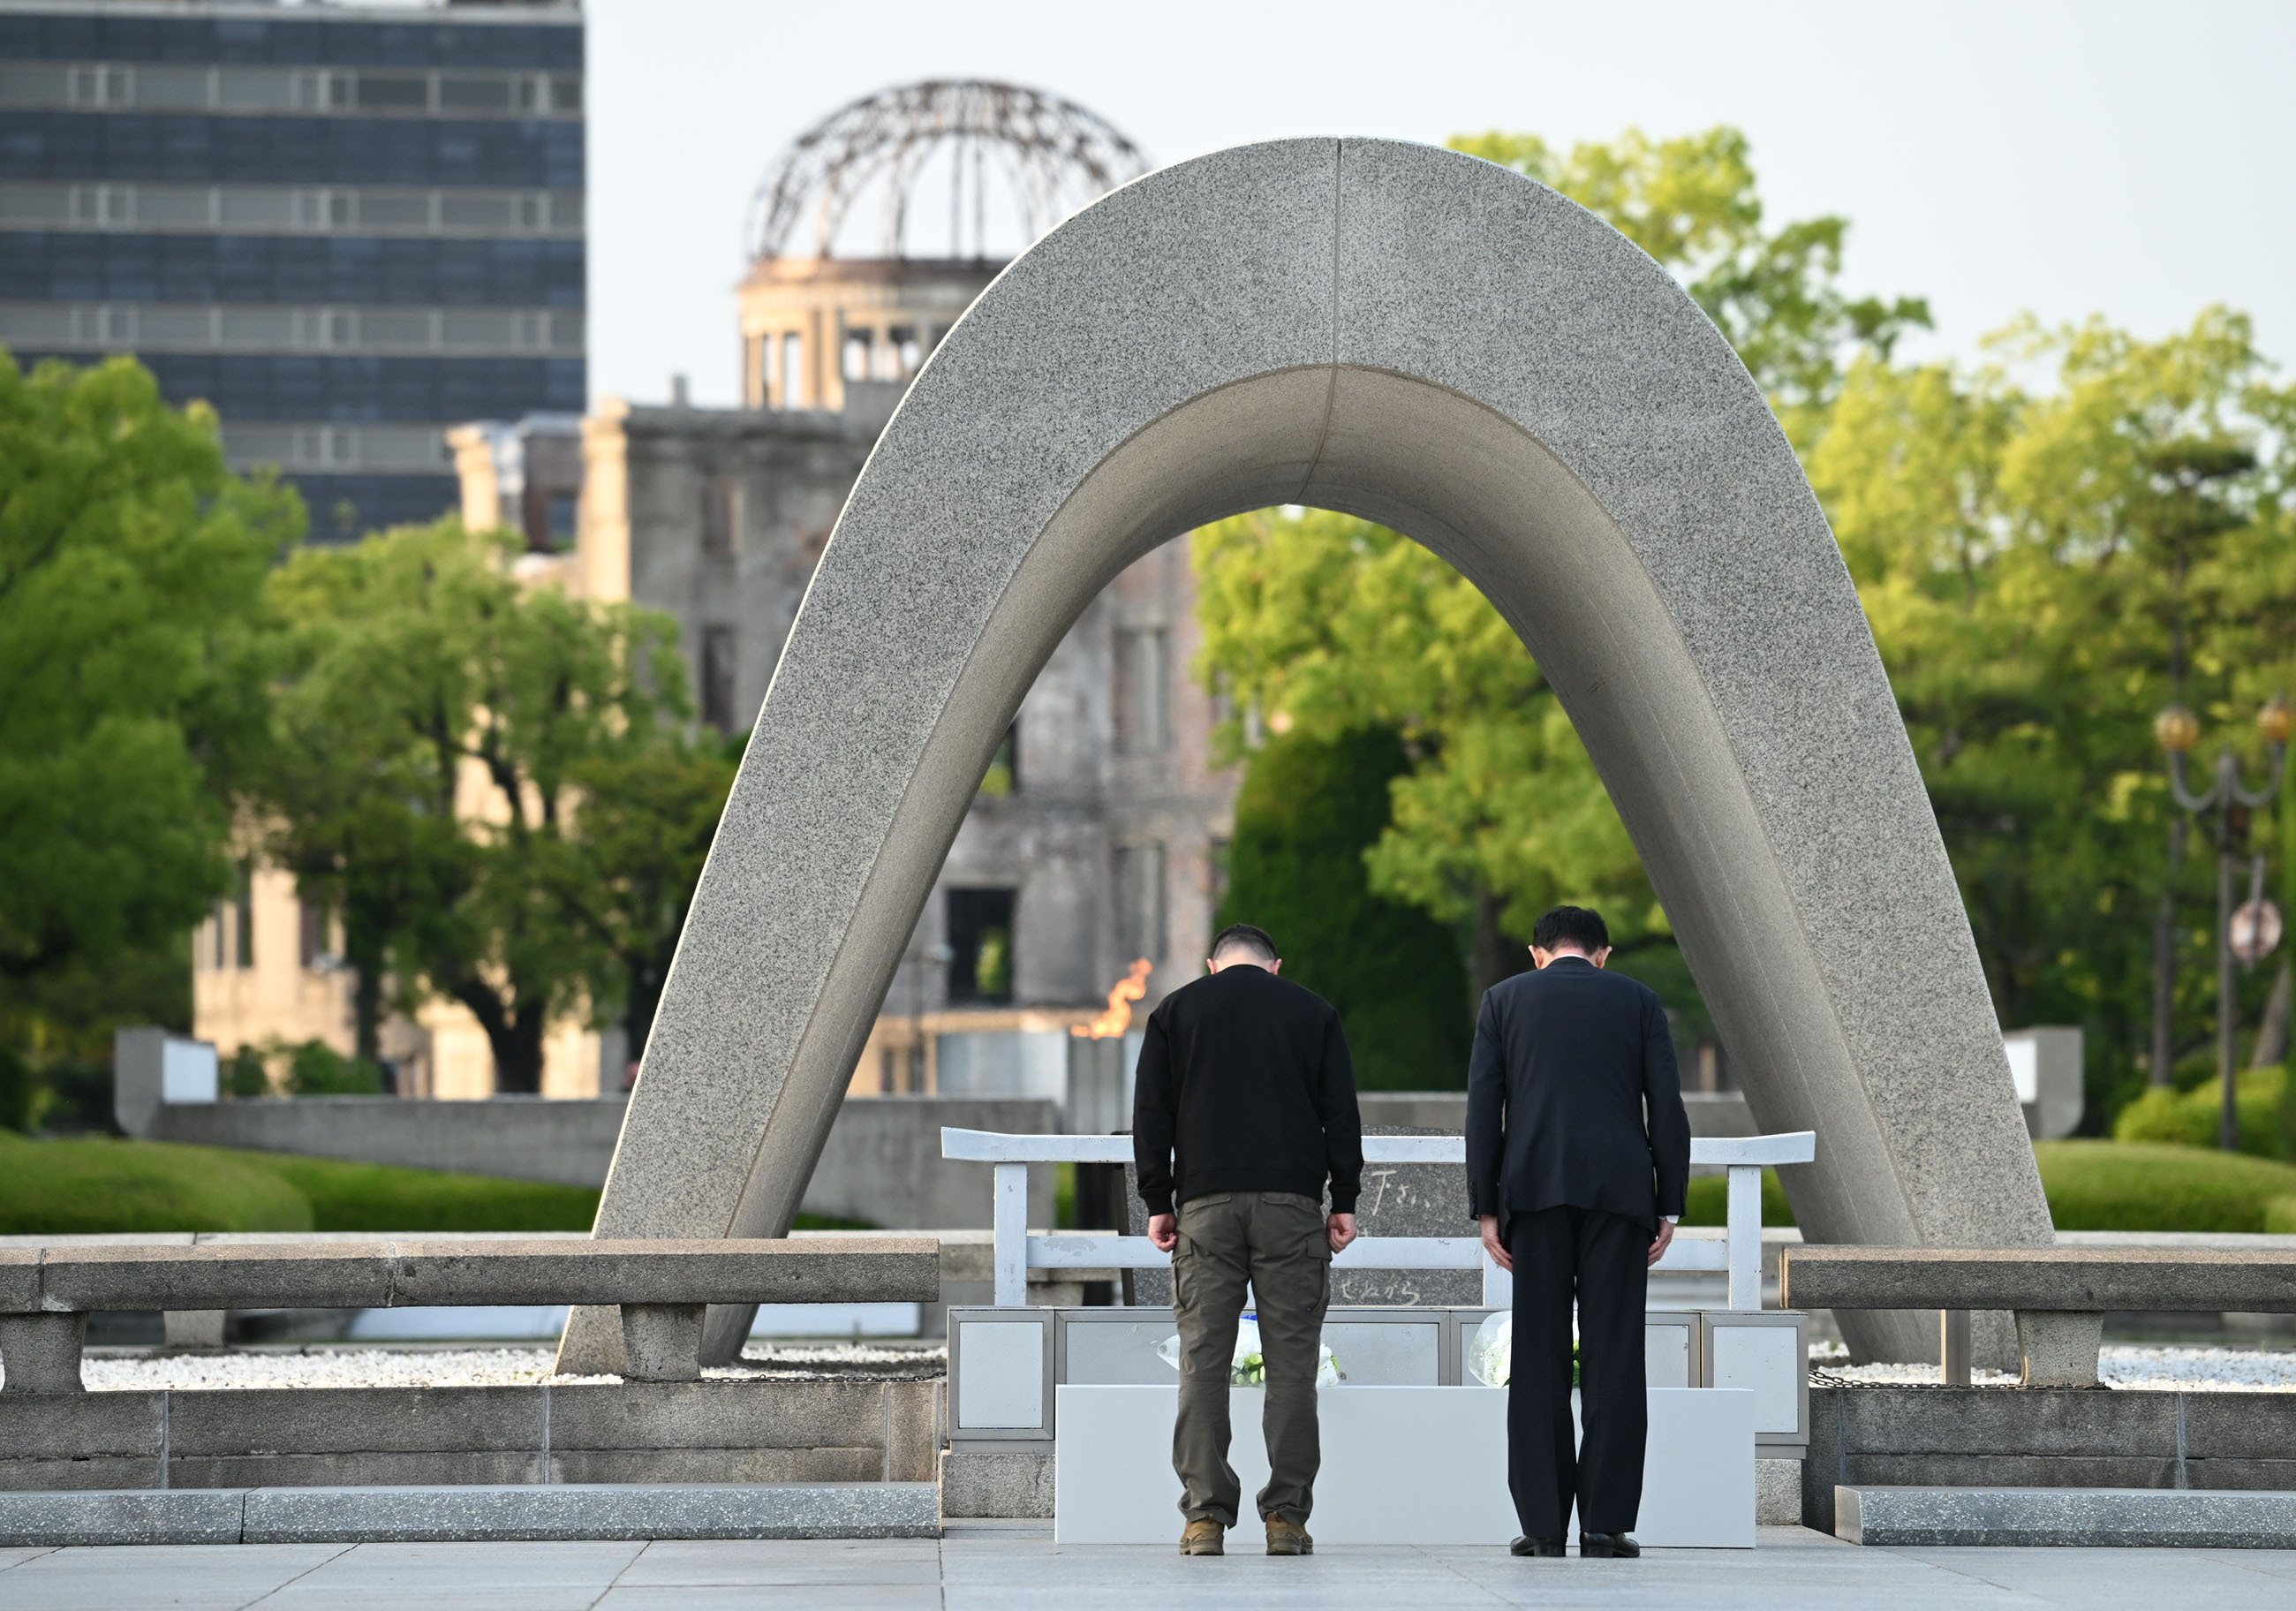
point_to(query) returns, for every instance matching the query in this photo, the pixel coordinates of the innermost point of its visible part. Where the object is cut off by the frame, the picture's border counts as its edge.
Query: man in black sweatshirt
(1245, 1105)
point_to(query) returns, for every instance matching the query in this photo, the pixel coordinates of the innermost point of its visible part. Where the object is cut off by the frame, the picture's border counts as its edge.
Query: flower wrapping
(1250, 1368)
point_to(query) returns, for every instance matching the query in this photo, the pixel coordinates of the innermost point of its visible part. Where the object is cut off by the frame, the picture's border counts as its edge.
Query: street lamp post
(2178, 730)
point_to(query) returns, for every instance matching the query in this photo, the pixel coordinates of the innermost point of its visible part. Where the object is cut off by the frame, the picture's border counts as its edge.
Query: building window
(858, 346)
(721, 516)
(980, 945)
(793, 370)
(312, 944)
(1143, 691)
(1140, 908)
(243, 917)
(908, 352)
(717, 668)
(1003, 775)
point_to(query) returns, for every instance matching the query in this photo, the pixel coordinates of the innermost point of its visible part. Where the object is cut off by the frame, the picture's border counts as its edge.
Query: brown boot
(1288, 1538)
(1204, 1538)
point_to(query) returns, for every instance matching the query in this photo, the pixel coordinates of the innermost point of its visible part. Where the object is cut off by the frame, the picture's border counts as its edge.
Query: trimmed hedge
(94, 1185)
(2149, 1186)
(1710, 1201)
(2109, 1185)
(376, 1197)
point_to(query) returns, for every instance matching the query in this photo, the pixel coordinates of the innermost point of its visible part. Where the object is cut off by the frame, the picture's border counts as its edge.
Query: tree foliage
(133, 648)
(438, 725)
(1307, 811)
(131, 661)
(2046, 562)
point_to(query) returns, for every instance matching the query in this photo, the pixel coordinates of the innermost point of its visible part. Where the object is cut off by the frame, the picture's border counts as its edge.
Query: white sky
(2115, 157)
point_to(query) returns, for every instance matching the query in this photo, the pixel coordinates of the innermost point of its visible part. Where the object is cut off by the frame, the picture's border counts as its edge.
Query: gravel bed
(482, 1367)
(2118, 1365)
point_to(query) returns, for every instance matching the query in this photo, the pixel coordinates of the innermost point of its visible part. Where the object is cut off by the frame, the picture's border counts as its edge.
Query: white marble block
(1401, 1466)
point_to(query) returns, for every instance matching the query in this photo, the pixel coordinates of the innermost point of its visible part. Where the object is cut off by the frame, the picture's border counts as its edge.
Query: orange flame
(1117, 1018)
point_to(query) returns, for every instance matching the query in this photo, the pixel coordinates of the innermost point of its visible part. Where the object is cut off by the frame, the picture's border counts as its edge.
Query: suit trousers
(1277, 1242)
(1596, 1262)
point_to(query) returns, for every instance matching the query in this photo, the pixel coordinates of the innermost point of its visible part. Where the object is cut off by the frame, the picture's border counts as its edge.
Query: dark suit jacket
(1573, 1099)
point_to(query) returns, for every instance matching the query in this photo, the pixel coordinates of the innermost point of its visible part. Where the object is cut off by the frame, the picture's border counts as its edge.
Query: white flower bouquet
(1490, 1351)
(1250, 1368)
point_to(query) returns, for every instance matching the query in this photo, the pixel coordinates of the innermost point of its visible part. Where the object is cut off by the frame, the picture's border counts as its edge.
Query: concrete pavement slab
(2213, 1578)
(803, 1597)
(192, 1577)
(784, 1562)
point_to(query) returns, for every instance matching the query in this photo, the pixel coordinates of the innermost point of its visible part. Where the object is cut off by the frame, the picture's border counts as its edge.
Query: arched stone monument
(1435, 343)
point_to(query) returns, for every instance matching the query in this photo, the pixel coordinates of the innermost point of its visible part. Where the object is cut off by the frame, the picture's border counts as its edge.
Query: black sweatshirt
(1245, 1084)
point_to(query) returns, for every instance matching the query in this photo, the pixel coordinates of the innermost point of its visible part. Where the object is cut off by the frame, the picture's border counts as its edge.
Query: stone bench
(661, 1287)
(2059, 1295)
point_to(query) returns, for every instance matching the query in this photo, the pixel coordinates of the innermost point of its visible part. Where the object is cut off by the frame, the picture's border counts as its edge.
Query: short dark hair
(1573, 925)
(1244, 937)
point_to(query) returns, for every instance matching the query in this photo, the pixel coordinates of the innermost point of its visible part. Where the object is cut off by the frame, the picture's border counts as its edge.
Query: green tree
(437, 724)
(2044, 566)
(1307, 813)
(647, 819)
(132, 656)
(131, 573)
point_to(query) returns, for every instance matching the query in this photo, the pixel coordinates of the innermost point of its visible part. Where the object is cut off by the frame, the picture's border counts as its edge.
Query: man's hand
(1342, 1228)
(1659, 1244)
(1164, 1231)
(1493, 1246)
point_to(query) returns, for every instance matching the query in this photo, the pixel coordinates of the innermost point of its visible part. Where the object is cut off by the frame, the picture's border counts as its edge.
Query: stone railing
(661, 1287)
(2059, 1295)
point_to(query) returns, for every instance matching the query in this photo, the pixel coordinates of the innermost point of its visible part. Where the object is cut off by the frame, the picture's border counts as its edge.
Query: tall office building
(346, 227)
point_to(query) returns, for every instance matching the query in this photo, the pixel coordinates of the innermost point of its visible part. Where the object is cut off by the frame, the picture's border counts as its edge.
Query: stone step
(2151, 1519)
(463, 1514)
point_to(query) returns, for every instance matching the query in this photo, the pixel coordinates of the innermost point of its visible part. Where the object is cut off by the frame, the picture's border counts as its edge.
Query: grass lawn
(95, 1184)
(2110, 1186)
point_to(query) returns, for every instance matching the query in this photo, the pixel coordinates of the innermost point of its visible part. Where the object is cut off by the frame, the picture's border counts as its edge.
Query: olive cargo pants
(1277, 1242)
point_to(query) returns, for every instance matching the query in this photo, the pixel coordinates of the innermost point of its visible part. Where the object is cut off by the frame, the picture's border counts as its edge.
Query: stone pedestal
(40, 1352)
(2059, 1347)
(661, 1341)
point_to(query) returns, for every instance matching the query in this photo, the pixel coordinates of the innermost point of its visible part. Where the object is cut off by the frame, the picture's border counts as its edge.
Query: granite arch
(1435, 343)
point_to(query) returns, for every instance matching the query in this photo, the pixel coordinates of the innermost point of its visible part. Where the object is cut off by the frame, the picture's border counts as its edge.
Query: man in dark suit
(1577, 1163)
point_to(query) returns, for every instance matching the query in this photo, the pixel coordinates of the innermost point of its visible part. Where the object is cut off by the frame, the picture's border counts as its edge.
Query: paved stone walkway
(1015, 1565)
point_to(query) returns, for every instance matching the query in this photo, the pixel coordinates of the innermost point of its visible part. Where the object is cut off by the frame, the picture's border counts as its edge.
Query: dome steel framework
(1053, 155)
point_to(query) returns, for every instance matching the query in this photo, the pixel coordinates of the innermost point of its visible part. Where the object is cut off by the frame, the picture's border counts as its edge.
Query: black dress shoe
(1607, 1546)
(1536, 1546)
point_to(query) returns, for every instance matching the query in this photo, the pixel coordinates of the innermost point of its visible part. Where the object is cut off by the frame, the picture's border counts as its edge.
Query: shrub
(315, 1069)
(246, 1072)
(1710, 1201)
(379, 1196)
(2148, 1185)
(2107, 1186)
(2191, 1118)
